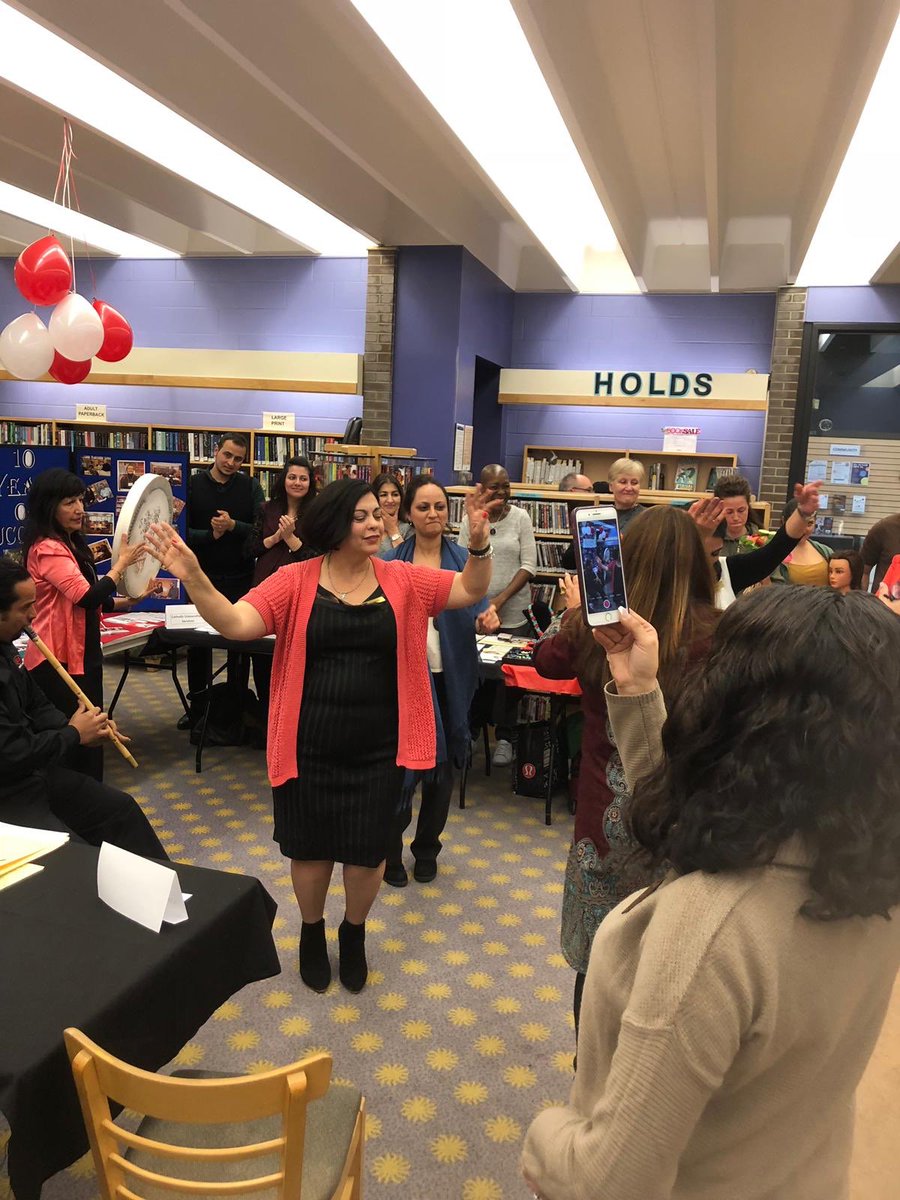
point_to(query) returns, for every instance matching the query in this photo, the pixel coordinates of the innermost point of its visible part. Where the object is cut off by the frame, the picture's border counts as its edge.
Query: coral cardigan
(59, 585)
(285, 601)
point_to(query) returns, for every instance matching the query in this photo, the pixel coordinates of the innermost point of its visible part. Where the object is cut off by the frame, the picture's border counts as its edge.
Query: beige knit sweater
(722, 1034)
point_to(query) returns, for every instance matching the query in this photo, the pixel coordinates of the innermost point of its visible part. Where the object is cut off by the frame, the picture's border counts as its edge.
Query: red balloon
(42, 272)
(118, 336)
(65, 370)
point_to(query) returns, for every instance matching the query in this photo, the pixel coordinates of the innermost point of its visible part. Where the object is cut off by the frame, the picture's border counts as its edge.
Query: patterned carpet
(465, 1029)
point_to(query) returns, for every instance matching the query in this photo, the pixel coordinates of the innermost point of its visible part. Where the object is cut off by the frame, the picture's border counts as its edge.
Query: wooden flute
(73, 687)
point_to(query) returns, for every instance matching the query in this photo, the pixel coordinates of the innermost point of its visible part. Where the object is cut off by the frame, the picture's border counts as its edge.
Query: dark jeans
(69, 801)
(199, 658)
(87, 759)
(437, 788)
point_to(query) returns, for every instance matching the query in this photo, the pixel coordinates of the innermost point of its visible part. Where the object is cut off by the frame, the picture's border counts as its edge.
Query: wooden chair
(223, 1135)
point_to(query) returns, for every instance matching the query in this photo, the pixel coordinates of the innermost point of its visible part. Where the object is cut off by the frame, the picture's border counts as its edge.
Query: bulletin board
(18, 467)
(108, 476)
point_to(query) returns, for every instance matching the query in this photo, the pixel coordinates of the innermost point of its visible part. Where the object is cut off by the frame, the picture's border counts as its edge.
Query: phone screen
(603, 585)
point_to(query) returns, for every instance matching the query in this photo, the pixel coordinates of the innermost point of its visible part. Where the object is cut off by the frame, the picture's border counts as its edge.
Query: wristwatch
(396, 537)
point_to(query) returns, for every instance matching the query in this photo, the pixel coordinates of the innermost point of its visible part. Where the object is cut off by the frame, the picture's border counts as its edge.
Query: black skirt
(346, 800)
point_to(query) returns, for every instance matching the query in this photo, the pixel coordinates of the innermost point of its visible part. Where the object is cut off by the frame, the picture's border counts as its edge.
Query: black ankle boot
(315, 969)
(353, 970)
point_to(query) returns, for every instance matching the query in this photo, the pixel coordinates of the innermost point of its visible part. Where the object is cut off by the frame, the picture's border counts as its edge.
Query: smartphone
(598, 552)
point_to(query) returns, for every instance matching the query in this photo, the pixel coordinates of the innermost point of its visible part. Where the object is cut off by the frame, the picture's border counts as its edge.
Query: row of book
(102, 439)
(406, 470)
(199, 445)
(13, 433)
(545, 470)
(543, 593)
(275, 447)
(547, 516)
(550, 554)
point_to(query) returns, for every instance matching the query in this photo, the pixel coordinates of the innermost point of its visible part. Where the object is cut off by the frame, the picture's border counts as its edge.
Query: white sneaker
(503, 753)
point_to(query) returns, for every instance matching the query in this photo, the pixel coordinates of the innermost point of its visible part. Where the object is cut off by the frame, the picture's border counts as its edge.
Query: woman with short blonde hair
(625, 478)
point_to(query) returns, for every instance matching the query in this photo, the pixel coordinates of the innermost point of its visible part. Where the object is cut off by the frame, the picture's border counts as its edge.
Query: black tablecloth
(67, 959)
(214, 641)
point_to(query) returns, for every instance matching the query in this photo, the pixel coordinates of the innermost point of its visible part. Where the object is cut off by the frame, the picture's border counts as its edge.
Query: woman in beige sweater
(729, 1013)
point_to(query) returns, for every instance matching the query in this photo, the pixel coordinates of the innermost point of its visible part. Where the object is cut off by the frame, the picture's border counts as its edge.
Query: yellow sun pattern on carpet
(463, 1032)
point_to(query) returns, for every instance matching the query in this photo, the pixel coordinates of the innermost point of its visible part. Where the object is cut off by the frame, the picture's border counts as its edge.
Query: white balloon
(25, 347)
(76, 330)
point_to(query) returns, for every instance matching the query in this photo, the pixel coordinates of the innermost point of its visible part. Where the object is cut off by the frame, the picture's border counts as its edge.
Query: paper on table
(20, 844)
(185, 616)
(18, 874)
(143, 891)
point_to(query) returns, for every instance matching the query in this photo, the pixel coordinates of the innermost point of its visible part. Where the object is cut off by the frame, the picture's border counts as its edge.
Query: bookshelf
(24, 431)
(546, 465)
(75, 435)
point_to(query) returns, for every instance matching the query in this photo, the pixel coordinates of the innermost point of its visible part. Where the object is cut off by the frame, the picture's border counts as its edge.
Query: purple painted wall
(667, 333)
(872, 305)
(210, 303)
(450, 309)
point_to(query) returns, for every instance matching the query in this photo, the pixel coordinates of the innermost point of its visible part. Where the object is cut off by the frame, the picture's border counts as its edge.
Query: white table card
(143, 891)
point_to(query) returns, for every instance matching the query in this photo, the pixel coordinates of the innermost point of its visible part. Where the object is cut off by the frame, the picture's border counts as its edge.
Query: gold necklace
(342, 596)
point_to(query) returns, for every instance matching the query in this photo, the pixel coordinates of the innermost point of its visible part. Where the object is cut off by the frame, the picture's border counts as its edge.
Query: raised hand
(481, 510)
(707, 513)
(129, 555)
(172, 552)
(571, 590)
(632, 650)
(807, 497)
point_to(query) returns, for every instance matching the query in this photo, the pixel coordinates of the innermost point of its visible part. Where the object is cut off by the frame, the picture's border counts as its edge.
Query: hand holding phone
(598, 553)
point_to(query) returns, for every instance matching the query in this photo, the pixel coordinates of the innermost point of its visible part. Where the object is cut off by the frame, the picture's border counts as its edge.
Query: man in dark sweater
(223, 503)
(881, 544)
(35, 789)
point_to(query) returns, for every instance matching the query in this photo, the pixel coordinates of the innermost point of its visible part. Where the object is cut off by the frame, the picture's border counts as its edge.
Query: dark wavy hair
(386, 477)
(47, 491)
(854, 561)
(328, 520)
(279, 490)
(793, 729)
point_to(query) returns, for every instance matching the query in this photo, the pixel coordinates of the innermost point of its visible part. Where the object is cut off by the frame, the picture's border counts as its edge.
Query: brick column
(378, 368)
(784, 380)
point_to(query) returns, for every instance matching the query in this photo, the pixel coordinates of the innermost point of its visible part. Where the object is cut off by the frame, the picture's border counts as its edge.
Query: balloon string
(69, 154)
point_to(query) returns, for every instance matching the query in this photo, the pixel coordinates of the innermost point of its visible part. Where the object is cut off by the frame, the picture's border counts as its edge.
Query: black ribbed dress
(344, 803)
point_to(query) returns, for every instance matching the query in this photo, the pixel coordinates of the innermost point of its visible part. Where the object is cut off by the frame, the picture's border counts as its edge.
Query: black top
(746, 569)
(242, 498)
(34, 734)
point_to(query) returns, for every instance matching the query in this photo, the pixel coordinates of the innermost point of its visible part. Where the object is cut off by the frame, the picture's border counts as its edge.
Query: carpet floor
(465, 1029)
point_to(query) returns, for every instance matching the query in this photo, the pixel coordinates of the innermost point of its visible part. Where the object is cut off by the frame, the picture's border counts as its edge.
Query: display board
(18, 467)
(109, 475)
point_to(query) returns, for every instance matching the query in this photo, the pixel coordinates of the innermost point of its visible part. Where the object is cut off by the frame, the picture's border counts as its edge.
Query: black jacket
(34, 734)
(223, 558)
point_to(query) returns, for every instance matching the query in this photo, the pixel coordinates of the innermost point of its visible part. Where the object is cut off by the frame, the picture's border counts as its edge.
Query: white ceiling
(712, 129)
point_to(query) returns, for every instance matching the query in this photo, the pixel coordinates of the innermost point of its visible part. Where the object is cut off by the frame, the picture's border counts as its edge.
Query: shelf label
(90, 412)
(282, 422)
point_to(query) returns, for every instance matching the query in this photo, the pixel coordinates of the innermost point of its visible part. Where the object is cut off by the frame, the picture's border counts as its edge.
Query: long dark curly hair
(793, 728)
(47, 492)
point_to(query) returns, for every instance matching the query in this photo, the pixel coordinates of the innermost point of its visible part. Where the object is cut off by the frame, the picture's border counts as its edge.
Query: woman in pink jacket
(351, 706)
(70, 597)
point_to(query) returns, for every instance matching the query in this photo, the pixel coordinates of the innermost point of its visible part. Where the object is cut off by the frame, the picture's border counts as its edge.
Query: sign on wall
(639, 389)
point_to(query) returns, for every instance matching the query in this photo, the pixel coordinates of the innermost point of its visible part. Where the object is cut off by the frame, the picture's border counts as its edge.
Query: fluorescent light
(72, 224)
(472, 61)
(44, 65)
(859, 226)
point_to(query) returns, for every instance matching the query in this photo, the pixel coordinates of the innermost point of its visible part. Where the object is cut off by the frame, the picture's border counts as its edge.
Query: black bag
(235, 718)
(532, 759)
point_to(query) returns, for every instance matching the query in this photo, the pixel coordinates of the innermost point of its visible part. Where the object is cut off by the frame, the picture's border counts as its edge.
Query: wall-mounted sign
(845, 449)
(673, 386)
(280, 422)
(636, 389)
(90, 412)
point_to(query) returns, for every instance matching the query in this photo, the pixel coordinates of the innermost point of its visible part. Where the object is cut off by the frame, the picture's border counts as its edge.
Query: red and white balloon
(43, 273)
(118, 336)
(77, 331)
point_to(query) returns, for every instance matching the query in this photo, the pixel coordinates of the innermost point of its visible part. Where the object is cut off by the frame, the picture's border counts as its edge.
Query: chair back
(211, 1156)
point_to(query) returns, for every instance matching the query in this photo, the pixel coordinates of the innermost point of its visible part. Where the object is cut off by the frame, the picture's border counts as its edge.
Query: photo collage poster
(108, 476)
(19, 465)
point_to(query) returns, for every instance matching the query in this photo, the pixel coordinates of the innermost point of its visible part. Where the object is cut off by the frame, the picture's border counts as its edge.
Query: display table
(123, 633)
(67, 959)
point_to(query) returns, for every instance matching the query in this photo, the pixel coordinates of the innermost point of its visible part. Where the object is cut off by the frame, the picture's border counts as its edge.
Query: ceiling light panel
(473, 63)
(72, 224)
(38, 62)
(860, 224)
